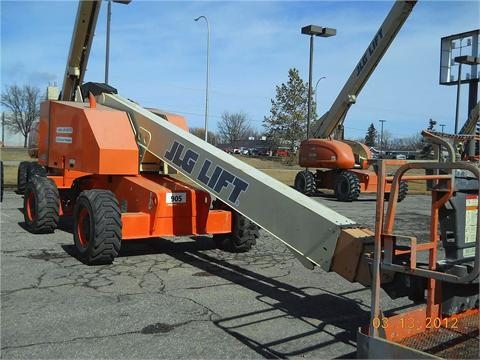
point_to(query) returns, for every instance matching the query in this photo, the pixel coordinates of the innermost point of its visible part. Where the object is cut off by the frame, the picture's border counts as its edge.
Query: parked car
(282, 152)
(400, 157)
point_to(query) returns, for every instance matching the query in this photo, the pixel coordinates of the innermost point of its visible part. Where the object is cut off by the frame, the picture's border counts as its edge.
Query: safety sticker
(63, 139)
(471, 214)
(64, 130)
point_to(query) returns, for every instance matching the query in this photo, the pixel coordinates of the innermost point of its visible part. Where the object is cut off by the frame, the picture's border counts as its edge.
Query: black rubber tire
(346, 186)
(35, 170)
(244, 232)
(2, 181)
(22, 176)
(97, 227)
(305, 182)
(41, 205)
(402, 192)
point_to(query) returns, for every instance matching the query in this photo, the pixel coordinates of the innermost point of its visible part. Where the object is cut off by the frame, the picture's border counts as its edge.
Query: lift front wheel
(244, 232)
(97, 227)
(41, 205)
(402, 192)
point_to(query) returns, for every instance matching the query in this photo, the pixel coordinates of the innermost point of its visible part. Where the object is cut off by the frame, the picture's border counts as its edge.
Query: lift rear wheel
(244, 232)
(26, 171)
(22, 176)
(2, 182)
(35, 170)
(97, 227)
(346, 186)
(305, 182)
(41, 205)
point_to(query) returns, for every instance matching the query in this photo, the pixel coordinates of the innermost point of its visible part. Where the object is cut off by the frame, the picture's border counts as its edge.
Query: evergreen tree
(371, 137)
(288, 114)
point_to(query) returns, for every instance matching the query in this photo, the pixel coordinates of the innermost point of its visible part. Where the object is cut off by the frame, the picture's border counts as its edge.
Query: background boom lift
(348, 161)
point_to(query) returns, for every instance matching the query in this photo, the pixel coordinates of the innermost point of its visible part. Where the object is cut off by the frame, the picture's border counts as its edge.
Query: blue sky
(158, 56)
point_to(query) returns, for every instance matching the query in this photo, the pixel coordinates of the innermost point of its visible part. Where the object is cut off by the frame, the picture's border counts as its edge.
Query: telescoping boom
(379, 45)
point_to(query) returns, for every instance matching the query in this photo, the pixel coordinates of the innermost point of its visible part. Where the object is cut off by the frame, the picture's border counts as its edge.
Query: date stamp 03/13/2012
(413, 323)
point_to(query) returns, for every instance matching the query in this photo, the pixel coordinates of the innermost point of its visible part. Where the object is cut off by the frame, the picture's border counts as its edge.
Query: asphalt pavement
(180, 298)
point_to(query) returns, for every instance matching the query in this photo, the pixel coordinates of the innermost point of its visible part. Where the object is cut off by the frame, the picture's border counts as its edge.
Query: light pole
(107, 46)
(442, 126)
(323, 77)
(381, 138)
(313, 30)
(3, 129)
(206, 86)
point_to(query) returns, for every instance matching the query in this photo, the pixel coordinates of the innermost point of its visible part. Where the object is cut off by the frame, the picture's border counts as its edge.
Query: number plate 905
(176, 198)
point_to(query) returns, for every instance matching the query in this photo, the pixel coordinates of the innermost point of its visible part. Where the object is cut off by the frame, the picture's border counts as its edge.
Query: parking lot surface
(180, 298)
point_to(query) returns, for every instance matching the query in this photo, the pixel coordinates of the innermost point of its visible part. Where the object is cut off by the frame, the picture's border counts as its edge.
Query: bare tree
(233, 127)
(254, 133)
(23, 104)
(200, 132)
(387, 138)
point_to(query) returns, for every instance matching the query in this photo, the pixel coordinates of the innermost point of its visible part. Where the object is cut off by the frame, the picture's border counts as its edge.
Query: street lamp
(314, 30)
(107, 46)
(206, 87)
(468, 60)
(442, 126)
(381, 138)
(323, 77)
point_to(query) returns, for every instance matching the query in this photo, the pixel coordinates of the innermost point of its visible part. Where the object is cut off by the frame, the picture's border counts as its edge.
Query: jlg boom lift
(341, 165)
(106, 161)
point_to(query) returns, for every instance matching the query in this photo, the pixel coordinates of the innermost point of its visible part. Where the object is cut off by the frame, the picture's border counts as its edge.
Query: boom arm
(80, 46)
(367, 64)
(312, 229)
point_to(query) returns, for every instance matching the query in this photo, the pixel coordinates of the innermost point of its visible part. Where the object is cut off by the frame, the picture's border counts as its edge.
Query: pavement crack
(211, 313)
(68, 341)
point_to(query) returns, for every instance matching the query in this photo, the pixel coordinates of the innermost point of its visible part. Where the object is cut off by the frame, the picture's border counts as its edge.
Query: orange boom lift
(100, 171)
(344, 166)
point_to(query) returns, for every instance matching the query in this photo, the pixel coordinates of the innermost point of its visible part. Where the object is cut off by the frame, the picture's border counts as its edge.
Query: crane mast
(80, 46)
(395, 19)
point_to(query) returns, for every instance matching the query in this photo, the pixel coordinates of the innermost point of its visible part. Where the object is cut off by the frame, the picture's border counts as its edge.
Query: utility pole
(3, 129)
(208, 66)
(314, 30)
(107, 42)
(381, 138)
